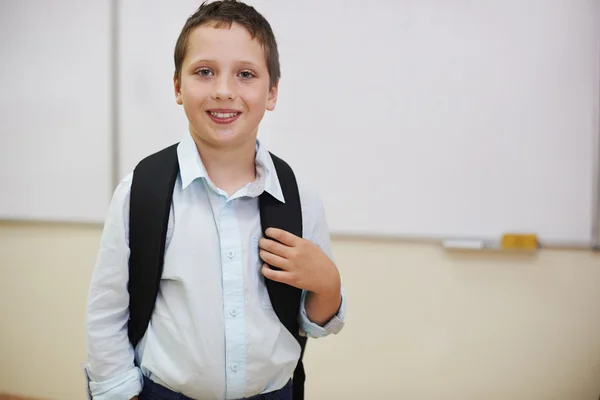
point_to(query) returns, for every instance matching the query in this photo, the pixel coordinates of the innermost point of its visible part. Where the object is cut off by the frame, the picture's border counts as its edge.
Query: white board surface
(414, 118)
(55, 160)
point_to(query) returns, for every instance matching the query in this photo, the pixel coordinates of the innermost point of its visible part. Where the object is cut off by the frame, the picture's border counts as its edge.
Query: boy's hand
(302, 263)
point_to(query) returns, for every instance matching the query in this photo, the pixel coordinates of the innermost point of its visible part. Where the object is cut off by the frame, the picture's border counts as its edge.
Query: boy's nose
(223, 89)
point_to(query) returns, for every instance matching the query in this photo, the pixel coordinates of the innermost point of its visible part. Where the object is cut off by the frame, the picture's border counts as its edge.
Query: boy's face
(224, 86)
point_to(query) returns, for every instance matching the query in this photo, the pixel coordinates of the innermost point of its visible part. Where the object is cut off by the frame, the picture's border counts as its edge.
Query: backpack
(150, 204)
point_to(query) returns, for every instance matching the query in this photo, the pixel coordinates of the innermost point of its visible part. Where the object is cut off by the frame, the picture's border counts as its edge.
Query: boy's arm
(110, 367)
(307, 263)
(322, 314)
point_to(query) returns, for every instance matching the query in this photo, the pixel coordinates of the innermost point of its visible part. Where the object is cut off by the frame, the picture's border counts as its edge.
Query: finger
(274, 259)
(282, 236)
(277, 276)
(275, 247)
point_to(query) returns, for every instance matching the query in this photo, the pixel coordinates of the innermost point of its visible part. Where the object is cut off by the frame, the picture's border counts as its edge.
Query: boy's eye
(246, 75)
(204, 72)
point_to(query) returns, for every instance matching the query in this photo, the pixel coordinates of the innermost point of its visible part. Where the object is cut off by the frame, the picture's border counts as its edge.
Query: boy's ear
(272, 99)
(177, 87)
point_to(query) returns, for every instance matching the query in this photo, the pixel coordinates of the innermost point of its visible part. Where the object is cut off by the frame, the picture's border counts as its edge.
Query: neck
(229, 168)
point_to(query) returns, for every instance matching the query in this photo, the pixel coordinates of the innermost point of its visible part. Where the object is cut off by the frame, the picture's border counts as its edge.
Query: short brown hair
(227, 12)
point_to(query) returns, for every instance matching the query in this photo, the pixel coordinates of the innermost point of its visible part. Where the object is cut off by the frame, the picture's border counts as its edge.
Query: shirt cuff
(123, 387)
(310, 329)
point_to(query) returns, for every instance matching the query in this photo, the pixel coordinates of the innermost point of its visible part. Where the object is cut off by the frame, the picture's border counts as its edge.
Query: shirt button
(230, 253)
(233, 312)
(234, 367)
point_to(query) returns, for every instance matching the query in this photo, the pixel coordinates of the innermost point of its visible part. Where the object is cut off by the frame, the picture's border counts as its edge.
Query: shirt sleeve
(310, 329)
(110, 368)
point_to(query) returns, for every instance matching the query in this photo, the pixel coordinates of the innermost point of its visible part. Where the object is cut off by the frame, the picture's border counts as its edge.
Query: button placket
(233, 298)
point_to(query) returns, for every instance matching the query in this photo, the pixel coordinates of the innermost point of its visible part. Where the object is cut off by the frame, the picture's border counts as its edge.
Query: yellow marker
(516, 241)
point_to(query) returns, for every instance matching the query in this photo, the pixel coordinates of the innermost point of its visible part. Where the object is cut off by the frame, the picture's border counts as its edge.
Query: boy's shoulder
(310, 195)
(123, 188)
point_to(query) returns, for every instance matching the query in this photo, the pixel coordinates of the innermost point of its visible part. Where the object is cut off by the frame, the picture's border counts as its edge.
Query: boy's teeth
(223, 115)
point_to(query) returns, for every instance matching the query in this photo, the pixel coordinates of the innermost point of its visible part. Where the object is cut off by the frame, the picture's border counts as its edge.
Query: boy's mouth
(223, 116)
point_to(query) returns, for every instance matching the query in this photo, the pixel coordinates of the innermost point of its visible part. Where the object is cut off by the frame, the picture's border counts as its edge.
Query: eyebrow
(243, 62)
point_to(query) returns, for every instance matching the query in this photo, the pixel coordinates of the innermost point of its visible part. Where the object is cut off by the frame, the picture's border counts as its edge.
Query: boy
(214, 333)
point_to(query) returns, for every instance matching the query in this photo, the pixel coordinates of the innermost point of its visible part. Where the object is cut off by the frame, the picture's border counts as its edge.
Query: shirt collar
(192, 168)
(272, 185)
(190, 164)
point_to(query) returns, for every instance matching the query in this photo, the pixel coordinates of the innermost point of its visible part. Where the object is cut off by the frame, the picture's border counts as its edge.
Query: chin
(225, 134)
(229, 139)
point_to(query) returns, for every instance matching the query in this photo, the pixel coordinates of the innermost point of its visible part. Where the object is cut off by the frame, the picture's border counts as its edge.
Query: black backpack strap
(285, 298)
(150, 204)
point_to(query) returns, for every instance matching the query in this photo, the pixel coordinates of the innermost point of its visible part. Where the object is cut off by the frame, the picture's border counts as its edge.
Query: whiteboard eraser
(464, 244)
(519, 241)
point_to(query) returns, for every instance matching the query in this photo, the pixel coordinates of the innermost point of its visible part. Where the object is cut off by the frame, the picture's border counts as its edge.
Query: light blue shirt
(214, 333)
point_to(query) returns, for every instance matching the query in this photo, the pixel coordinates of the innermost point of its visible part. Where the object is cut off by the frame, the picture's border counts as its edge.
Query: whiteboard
(55, 160)
(414, 118)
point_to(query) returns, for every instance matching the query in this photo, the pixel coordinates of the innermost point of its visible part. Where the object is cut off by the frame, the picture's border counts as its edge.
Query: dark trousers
(154, 391)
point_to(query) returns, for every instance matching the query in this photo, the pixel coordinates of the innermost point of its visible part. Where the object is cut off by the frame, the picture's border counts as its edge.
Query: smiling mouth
(223, 117)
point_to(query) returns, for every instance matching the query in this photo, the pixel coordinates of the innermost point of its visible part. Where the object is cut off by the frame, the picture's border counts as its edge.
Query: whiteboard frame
(115, 105)
(596, 211)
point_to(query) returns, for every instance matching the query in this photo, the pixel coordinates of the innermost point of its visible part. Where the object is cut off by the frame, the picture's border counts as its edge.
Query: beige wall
(422, 323)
